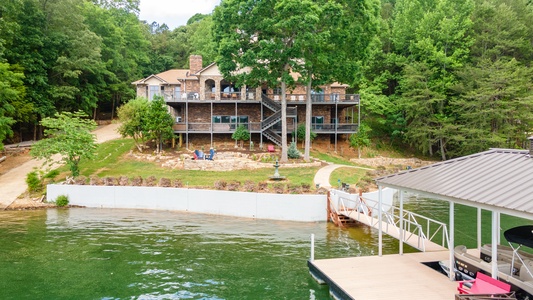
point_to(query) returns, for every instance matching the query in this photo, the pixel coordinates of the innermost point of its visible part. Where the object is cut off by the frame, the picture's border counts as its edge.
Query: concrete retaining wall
(305, 208)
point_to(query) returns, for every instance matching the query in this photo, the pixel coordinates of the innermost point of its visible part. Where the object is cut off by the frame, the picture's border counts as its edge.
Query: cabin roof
(498, 179)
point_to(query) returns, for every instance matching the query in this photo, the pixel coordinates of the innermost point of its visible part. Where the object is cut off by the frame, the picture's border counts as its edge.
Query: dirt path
(13, 182)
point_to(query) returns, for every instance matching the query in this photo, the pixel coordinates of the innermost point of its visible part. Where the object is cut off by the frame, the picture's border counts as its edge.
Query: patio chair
(270, 148)
(201, 154)
(484, 284)
(211, 154)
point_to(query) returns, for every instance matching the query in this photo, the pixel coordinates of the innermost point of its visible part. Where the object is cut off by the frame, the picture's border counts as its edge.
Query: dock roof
(498, 179)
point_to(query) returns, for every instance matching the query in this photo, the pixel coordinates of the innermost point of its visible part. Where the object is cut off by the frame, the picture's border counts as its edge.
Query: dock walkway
(387, 277)
(411, 239)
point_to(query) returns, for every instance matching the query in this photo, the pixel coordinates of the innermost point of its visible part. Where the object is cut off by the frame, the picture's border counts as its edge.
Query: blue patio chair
(211, 154)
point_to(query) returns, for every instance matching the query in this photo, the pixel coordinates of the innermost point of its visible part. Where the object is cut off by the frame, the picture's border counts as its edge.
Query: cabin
(207, 108)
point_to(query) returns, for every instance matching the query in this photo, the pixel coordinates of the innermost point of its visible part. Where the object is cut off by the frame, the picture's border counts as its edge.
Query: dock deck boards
(389, 276)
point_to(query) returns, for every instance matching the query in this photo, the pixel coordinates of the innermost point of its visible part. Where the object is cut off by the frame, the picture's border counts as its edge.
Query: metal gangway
(420, 232)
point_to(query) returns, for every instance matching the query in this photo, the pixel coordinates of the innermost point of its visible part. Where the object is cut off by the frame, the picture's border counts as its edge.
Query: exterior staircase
(275, 118)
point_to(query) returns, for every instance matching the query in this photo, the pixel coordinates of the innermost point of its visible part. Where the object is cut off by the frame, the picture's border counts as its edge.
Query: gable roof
(499, 179)
(173, 76)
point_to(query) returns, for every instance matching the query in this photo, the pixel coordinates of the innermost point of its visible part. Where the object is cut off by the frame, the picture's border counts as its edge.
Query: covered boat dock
(498, 180)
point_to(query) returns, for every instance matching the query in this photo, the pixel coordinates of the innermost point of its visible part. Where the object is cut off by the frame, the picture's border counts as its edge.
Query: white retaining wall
(305, 208)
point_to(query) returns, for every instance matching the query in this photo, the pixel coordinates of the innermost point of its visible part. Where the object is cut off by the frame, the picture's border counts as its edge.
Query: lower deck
(386, 277)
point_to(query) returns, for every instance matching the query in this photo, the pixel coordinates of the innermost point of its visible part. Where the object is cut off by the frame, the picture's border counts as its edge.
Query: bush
(164, 182)
(34, 182)
(293, 152)
(220, 184)
(234, 186)
(250, 186)
(178, 183)
(279, 188)
(150, 181)
(62, 200)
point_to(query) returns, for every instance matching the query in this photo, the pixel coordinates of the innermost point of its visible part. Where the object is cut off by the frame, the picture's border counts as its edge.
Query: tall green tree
(159, 122)
(133, 118)
(69, 135)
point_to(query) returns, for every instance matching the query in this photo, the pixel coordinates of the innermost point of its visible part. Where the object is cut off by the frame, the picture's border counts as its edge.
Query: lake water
(135, 254)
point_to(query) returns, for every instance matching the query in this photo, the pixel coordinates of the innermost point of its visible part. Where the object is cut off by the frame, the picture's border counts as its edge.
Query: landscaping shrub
(234, 186)
(178, 183)
(220, 184)
(250, 186)
(294, 189)
(62, 200)
(278, 188)
(164, 182)
(262, 186)
(137, 181)
(95, 180)
(109, 181)
(293, 152)
(123, 181)
(306, 188)
(34, 182)
(80, 180)
(150, 181)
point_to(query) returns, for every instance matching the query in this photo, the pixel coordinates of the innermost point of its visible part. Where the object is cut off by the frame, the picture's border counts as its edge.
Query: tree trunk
(308, 112)
(284, 156)
(443, 154)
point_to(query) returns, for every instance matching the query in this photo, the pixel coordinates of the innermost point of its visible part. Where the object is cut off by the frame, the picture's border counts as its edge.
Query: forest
(444, 78)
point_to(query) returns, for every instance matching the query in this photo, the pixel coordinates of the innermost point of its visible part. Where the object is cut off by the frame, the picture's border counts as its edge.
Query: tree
(69, 135)
(159, 122)
(360, 139)
(301, 134)
(269, 41)
(132, 116)
(293, 152)
(241, 134)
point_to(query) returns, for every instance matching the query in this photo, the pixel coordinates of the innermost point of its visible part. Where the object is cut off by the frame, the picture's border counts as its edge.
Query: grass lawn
(346, 175)
(112, 161)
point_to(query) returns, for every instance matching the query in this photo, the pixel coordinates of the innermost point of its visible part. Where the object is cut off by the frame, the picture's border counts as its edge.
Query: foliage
(361, 138)
(241, 134)
(69, 135)
(300, 133)
(62, 200)
(159, 122)
(293, 151)
(132, 117)
(34, 182)
(143, 120)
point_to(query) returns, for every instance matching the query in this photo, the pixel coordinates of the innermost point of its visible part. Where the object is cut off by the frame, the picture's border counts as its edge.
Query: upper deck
(252, 97)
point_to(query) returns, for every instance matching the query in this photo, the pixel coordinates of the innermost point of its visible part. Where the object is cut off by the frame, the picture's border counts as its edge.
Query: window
(316, 122)
(177, 92)
(231, 119)
(154, 90)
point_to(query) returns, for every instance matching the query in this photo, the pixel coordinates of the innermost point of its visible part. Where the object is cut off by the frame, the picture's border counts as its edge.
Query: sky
(174, 13)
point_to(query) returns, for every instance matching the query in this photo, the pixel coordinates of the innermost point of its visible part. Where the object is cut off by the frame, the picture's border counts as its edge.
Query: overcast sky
(174, 13)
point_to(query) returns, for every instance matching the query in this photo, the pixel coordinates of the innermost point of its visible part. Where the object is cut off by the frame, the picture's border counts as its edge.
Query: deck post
(451, 274)
(479, 228)
(401, 222)
(380, 236)
(312, 247)
(494, 242)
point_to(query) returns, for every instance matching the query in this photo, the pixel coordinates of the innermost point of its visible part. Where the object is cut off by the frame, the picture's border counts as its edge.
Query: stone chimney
(195, 63)
(530, 145)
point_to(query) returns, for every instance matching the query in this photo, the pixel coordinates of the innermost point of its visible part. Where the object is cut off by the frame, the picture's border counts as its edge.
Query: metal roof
(498, 179)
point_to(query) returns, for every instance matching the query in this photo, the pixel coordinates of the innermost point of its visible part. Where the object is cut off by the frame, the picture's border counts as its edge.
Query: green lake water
(82, 253)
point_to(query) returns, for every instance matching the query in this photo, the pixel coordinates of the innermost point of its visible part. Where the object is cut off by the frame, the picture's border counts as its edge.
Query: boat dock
(387, 277)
